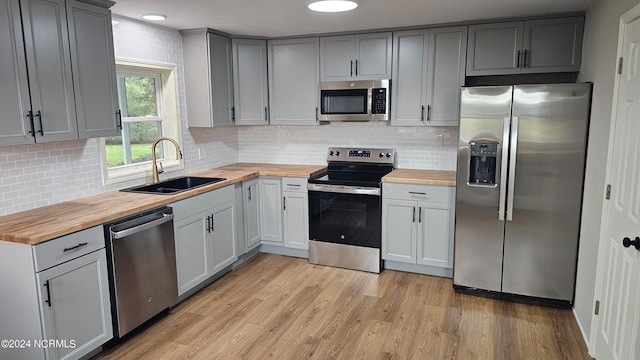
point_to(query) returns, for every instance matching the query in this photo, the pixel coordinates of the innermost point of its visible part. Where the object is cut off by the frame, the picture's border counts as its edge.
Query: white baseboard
(584, 334)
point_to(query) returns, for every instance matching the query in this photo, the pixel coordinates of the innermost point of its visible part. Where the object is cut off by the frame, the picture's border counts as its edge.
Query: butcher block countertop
(421, 177)
(45, 223)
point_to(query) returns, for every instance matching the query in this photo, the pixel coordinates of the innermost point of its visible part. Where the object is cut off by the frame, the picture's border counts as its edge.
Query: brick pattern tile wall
(417, 147)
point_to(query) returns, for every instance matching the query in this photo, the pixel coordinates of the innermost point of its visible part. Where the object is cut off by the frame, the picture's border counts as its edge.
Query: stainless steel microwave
(363, 100)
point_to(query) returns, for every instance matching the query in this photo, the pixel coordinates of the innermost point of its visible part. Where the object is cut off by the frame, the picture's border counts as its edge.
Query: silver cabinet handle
(524, 62)
(297, 185)
(512, 168)
(233, 113)
(414, 214)
(317, 116)
(503, 167)
(428, 113)
(420, 214)
(249, 190)
(356, 67)
(284, 203)
(518, 60)
(351, 66)
(266, 114)
(422, 113)
(48, 286)
(39, 116)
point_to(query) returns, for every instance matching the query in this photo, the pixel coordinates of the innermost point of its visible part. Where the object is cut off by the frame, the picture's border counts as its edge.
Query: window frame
(167, 95)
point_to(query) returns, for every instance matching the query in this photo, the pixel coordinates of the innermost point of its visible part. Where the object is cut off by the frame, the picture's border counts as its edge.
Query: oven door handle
(344, 189)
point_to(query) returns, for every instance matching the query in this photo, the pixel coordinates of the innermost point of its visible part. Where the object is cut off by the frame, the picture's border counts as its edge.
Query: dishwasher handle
(127, 231)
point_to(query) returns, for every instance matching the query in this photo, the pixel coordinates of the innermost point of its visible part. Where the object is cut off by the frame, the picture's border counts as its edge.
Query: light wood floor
(285, 308)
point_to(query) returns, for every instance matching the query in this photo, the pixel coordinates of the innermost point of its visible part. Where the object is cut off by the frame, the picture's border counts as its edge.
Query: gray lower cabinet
(428, 70)
(532, 46)
(59, 291)
(295, 213)
(250, 81)
(251, 211)
(293, 81)
(270, 210)
(59, 70)
(417, 225)
(208, 78)
(205, 236)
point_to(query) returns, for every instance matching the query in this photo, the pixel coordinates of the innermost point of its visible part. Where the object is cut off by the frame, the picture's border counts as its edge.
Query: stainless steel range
(345, 212)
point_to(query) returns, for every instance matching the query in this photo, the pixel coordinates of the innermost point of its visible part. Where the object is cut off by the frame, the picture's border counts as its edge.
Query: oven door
(345, 215)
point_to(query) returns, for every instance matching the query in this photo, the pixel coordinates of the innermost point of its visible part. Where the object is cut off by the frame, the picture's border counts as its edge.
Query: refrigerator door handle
(503, 168)
(512, 168)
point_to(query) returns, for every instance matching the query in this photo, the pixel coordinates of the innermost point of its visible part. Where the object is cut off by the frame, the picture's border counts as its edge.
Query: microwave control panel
(379, 101)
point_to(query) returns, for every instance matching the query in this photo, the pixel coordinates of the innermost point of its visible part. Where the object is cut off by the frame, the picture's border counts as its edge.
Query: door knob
(626, 242)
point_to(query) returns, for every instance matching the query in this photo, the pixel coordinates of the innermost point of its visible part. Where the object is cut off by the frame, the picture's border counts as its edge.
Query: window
(147, 100)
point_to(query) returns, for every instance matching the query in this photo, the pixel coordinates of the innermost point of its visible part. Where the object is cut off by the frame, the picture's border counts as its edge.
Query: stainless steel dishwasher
(142, 268)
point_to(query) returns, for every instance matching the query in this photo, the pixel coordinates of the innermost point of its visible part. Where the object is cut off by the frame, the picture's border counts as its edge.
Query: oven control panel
(380, 156)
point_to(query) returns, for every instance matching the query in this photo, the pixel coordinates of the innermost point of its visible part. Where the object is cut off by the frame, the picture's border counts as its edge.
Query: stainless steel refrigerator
(520, 174)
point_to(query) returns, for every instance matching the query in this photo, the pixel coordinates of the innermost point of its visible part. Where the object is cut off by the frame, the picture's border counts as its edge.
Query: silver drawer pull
(417, 193)
(75, 247)
(298, 185)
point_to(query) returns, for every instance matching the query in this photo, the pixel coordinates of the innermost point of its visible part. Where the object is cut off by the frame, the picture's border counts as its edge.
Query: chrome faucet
(153, 157)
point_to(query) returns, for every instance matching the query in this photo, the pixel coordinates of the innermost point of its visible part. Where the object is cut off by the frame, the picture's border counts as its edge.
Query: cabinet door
(399, 230)
(336, 58)
(14, 92)
(270, 210)
(192, 251)
(494, 49)
(250, 81)
(293, 81)
(553, 45)
(447, 56)
(251, 195)
(373, 56)
(296, 220)
(434, 236)
(409, 83)
(221, 84)
(223, 235)
(94, 70)
(75, 305)
(49, 65)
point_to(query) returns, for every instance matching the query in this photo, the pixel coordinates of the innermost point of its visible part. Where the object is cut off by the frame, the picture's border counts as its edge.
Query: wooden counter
(49, 222)
(422, 177)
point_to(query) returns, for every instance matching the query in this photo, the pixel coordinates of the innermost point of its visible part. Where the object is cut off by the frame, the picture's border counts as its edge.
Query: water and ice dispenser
(482, 162)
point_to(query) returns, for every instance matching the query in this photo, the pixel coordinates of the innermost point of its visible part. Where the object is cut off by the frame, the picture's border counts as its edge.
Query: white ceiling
(275, 18)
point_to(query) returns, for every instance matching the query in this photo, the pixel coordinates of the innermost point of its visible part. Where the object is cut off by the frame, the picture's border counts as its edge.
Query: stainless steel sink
(174, 186)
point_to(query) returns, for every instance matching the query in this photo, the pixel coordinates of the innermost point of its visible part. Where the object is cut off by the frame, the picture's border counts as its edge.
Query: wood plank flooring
(277, 307)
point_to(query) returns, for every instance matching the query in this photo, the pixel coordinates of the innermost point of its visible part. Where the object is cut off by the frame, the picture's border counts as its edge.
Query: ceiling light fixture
(332, 5)
(154, 17)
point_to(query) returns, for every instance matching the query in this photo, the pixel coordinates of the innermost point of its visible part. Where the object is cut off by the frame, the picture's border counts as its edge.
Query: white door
(619, 318)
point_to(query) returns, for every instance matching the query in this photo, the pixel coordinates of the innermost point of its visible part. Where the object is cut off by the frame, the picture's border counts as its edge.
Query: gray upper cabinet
(293, 81)
(355, 57)
(46, 44)
(428, 70)
(208, 78)
(447, 59)
(250, 81)
(534, 46)
(94, 70)
(14, 92)
(59, 70)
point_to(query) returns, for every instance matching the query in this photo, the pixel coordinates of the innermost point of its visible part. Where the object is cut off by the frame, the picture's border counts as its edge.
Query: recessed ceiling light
(332, 5)
(154, 17)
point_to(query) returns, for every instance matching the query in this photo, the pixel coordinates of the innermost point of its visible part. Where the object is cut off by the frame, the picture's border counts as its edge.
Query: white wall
(599, 66)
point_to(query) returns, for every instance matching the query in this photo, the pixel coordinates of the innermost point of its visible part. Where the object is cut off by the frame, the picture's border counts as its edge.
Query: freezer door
(479, 230)
(541, 240)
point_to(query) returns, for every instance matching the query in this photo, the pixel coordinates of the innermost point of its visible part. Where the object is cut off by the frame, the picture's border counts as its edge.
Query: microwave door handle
(503, 168)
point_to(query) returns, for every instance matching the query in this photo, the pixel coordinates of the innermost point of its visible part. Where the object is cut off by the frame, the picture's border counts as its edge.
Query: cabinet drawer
(202, 202)
(444, 194)
(59, 250)
(294, 184)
